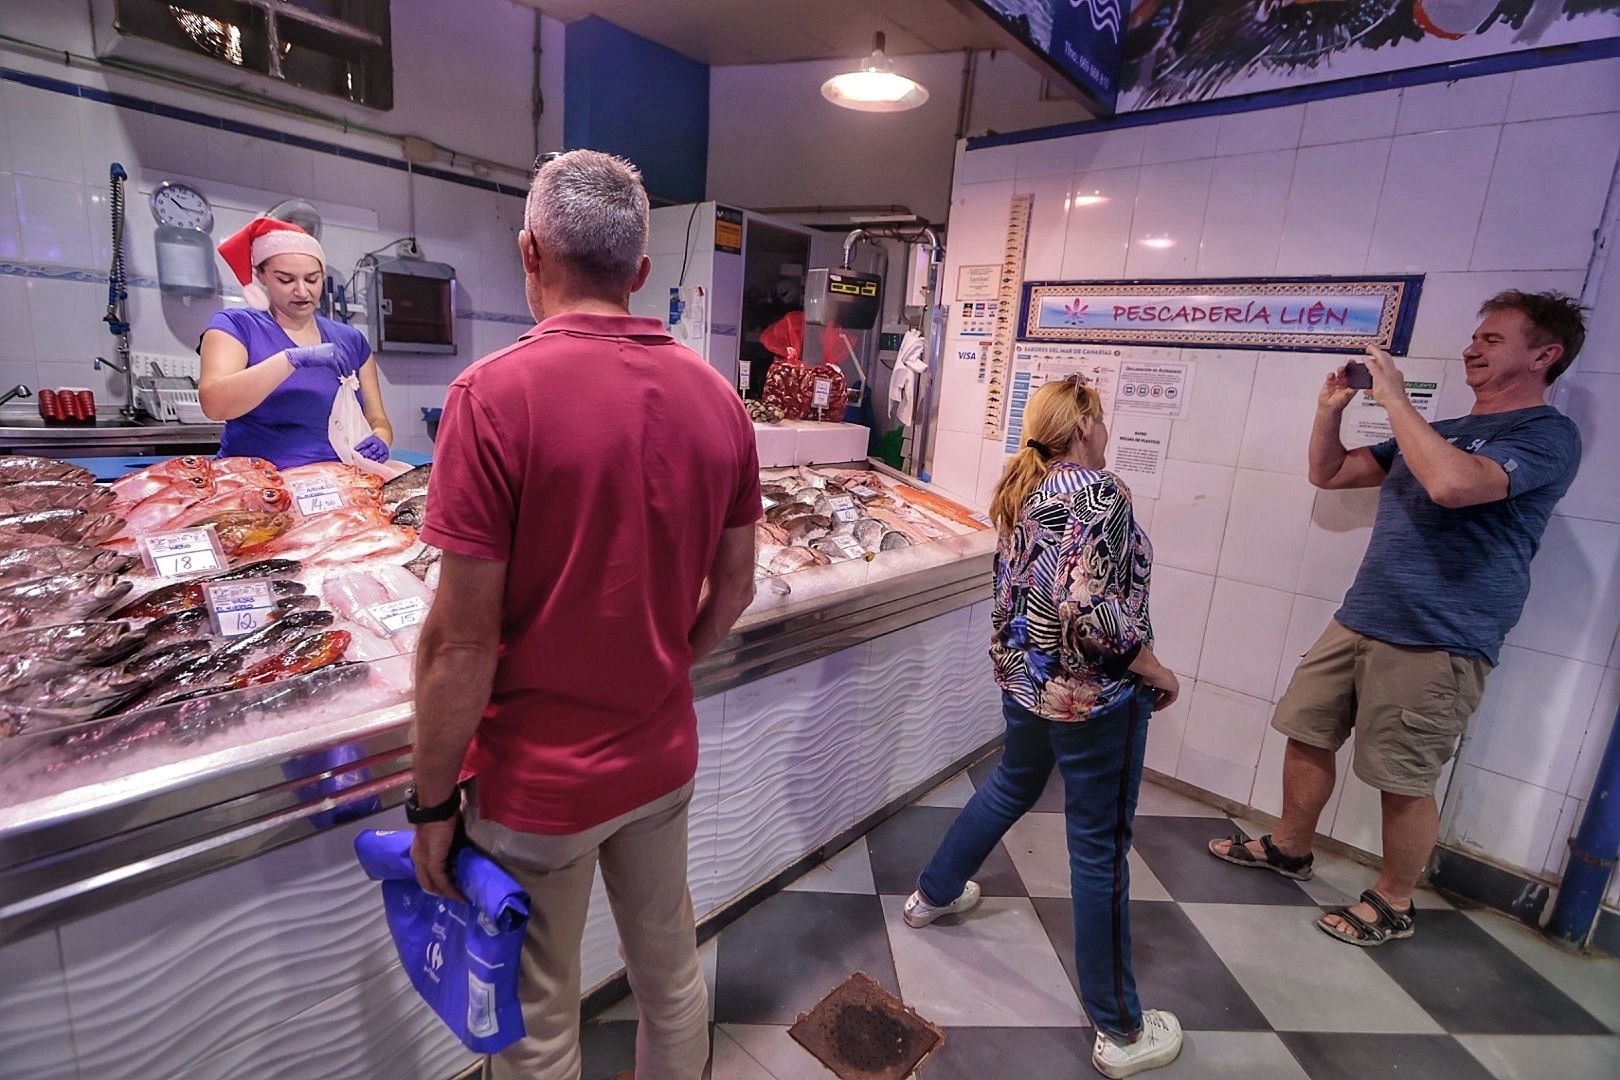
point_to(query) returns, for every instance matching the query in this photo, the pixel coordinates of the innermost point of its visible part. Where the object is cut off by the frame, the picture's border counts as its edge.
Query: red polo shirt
(601, 461)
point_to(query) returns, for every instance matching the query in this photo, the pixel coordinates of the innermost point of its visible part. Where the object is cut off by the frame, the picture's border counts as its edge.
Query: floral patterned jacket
(1071, 596)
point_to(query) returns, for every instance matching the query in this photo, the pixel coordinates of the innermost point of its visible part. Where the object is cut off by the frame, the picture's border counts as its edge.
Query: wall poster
(1316, 314)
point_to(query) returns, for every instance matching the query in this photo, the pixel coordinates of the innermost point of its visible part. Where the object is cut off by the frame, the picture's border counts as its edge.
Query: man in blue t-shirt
(1404, 661)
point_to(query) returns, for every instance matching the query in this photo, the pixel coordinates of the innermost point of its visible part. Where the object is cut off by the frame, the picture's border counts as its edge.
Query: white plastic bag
(348, 427)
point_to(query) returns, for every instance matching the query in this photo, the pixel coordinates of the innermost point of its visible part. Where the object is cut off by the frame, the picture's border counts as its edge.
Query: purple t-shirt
(288, 428)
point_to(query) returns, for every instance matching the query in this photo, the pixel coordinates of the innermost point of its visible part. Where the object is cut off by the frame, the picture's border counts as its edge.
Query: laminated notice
(848, 547)
(398, 615)
(239, 607)
(316, 496)
(183, 553)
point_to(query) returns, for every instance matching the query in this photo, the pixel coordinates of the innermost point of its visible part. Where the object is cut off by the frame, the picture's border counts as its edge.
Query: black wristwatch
(417, 814)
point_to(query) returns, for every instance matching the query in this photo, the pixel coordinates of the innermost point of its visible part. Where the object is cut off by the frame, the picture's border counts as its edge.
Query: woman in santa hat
(273, 370)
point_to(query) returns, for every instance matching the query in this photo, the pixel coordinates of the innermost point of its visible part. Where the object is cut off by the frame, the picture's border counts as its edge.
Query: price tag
(982, 519)
(861, 491)
(823, 393)
(847, 547)
(847, 514)
(183, 553)
(766, 501)
(745, 371)
(317, 496)
(398, 615)
(841, 502)
(239, 607)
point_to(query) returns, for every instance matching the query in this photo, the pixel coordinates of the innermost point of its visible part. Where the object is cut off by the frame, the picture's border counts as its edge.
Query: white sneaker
(919, 912)
(1159, 1045)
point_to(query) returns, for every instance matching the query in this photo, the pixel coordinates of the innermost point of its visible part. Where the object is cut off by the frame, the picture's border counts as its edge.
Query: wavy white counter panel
(378, 1030)
(919, 717)
(711, 715)
(35, 1038)
(163, 982)
(773, 724)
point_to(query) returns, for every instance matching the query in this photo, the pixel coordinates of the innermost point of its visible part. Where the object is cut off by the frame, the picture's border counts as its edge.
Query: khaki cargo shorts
(1408, 706)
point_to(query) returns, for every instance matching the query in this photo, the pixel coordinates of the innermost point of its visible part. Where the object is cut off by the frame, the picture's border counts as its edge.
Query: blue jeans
(1101, 763)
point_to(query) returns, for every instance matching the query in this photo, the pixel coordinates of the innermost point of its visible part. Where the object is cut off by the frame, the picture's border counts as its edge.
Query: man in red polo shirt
(595, 491)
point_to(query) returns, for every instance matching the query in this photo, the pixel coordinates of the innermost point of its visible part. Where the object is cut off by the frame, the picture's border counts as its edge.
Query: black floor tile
(902, 846)
(1051, 800)
(788, 953)
(1176, 849)
(608, 1048)
(975, 1053)
(1356, 1057)
(1472, 984)
(1175, 967)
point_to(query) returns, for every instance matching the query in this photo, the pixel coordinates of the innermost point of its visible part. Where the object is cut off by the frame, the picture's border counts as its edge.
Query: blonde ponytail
(1051, 420)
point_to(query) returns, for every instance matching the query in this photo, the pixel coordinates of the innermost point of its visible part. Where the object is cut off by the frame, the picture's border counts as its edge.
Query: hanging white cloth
(904, 385)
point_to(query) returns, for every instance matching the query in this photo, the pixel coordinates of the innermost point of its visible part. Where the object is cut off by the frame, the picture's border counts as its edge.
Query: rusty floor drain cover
(862, 1032)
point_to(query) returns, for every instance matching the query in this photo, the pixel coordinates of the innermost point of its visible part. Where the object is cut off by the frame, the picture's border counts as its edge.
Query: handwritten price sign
(183, 553)
(317, 496)
(239, 607)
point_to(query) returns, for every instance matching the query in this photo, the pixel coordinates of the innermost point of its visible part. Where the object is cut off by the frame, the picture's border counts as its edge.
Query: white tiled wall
(53, 213)
(1453, 181)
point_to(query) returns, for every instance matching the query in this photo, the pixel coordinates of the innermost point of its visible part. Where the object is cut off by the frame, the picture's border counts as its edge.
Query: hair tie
(1040, 448)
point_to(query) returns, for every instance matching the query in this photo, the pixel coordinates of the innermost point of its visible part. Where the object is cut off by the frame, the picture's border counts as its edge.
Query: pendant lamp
(875, 86)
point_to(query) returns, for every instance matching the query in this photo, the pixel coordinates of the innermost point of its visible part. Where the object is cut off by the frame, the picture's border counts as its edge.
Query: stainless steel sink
(23, 431)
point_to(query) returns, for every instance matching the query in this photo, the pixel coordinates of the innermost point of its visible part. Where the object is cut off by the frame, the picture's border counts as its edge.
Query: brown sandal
(1293, 867)
(1390, 925)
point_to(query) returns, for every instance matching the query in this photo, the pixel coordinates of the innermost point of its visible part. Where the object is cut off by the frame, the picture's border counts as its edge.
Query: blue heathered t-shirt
(1457, 579)
(288, 428)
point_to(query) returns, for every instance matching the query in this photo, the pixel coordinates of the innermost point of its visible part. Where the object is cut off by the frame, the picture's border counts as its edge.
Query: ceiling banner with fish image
(1314, 314)
(1180, 51)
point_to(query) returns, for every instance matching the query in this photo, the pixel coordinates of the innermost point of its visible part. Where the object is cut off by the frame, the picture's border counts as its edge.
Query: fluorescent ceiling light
(875, 86)
(1158, 242)
(1096, 198)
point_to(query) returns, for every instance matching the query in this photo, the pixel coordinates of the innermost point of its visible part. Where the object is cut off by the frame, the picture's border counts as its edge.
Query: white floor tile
(1158, 801)
(849, 871)
(762, 1052)
(1039, 847)
(1532, 1057)
(1302, 979)
(954, 792)
(994, 968)
(1232, 1055)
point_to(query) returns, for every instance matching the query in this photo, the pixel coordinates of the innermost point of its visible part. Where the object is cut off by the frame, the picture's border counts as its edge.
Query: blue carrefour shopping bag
(462, 958)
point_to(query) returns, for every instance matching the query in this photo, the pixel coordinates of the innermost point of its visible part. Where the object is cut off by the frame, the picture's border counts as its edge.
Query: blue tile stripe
(53, 272)
(191, 116)
(1551, 56)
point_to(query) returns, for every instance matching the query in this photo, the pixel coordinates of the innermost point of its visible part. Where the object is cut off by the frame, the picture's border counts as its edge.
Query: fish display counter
(181, 803)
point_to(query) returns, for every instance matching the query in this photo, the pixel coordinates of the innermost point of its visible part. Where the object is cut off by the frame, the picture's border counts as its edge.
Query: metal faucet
(18, 391)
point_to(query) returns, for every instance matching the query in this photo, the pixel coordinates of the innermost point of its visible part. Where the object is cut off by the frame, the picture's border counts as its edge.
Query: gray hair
(589, 210)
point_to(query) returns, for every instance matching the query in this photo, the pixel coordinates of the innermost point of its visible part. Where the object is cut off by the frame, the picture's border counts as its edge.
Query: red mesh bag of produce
(804, 391)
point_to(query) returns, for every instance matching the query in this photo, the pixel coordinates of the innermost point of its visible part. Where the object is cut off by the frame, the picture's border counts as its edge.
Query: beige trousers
(643, 859)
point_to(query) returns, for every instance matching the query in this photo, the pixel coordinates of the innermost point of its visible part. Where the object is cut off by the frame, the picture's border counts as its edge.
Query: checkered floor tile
(1260, 991)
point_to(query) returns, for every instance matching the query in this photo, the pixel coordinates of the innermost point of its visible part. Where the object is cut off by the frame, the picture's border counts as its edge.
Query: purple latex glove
(373, 448)
(324, 355)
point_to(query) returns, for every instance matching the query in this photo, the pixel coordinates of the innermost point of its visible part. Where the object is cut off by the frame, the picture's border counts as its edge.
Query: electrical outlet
(177, 367)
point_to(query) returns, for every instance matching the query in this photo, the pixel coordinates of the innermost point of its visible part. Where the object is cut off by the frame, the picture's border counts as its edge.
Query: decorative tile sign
(1317, 314)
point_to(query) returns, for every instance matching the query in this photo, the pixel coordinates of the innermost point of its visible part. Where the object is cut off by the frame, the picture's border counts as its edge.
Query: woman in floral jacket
(1072, 647)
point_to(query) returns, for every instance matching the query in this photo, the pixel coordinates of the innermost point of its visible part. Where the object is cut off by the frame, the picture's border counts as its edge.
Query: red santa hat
(258, 240)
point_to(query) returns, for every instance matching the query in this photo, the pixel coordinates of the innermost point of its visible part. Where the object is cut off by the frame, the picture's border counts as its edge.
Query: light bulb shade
(875, 86)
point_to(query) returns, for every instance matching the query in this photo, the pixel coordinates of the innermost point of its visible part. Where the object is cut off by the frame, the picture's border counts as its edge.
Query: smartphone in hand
(1357, 376)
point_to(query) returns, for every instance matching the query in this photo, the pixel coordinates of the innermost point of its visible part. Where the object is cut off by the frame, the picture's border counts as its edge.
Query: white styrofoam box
(1434, 190)
(1244, 639)
(978, 222)
(1332, 207)
(1222, 745)
(1182, 140)
(990, 163)
(11, 227)
(67, 321)
(1359, 817)
(1170, 201)
(35, 1021)
(1591, 401)
(1340, 529)
(1535, 713)
(1282, 408)
(54, 219)
(1506, 819)
(1191, 515)
(1049, 222)
(1569, 819)
(1099, 231)
(955, 467)
(1218, 407)
(1448, 311)
(1261, 130)
(1465, 103)
(1167, 730)
(1108, 149)
(1565, 90)
(1350, 118)
(1574, 604)
(1596, 739)
(1179, 606)
(44, 133)
(776, 445)
(1538, 218)
(1265, 528)
(1248, 196)
(992, 462)
(1044, 157)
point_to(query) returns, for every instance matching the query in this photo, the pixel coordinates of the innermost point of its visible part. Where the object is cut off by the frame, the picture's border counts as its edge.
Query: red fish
(274, 500)
(315, 651)
(335, 472)
(227, 466)
(383, 540)
(155, 512)
(138, 486)
(312, 534)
